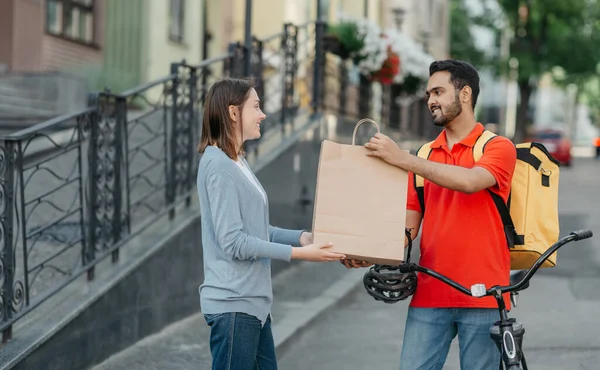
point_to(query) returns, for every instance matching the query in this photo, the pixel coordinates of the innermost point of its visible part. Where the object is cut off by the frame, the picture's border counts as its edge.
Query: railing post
(88, 252)
(395, 107)
(7, 258)
(120, 157)
(258, 69)
(319, 66)
(415, 110)
(229, 65)
(248, 40)
(105, 183)
(365, 97)
(289, 44)
(196, 124)
(182, 138)
(343, 70)
(235, 64)
(386, 102)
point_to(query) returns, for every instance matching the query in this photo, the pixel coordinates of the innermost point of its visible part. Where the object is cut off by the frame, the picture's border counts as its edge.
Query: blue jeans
(430, 331)
(238, 342)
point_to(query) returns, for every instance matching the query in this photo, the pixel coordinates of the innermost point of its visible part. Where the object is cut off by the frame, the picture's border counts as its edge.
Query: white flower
(413, 59)
(374, 51)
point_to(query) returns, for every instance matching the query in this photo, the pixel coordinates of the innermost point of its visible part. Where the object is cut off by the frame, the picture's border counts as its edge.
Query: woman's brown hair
(217, 126)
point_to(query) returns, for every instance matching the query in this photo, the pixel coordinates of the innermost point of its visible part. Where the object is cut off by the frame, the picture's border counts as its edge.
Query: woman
(237, 240)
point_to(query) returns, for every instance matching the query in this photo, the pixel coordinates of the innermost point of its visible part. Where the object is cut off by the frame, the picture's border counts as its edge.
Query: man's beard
(448, 114)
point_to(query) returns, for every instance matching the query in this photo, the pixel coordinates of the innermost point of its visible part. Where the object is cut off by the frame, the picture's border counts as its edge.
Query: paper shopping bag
(360, 203)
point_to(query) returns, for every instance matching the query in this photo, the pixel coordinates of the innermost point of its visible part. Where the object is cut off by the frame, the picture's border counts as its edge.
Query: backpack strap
(423, 152)
(479, 146)
(509, 229)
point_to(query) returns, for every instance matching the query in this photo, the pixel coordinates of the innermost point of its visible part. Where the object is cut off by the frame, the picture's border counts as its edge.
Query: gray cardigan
(237, 241)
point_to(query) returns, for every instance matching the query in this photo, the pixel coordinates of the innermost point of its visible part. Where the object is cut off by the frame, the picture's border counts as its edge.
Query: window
(176, 17)
(71, 19)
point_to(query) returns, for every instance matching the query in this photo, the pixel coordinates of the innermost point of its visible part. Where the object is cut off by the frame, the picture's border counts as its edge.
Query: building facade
(50, 35)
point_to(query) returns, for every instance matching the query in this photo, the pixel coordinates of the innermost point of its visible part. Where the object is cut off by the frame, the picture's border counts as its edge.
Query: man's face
(442, 99)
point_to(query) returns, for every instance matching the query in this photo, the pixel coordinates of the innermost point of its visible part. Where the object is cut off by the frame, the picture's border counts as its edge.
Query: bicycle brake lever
(514, 297)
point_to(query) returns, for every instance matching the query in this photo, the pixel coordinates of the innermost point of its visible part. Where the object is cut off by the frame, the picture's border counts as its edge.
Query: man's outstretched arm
(494, 168)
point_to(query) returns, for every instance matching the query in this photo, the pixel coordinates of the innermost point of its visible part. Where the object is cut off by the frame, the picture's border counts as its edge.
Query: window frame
(179, 35)
(67, 8)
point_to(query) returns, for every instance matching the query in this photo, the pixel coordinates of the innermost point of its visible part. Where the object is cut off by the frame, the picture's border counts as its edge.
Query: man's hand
(351, 263)
(306, 238)
(385, 148)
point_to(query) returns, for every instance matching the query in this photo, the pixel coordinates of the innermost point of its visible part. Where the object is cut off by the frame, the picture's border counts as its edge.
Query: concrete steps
(23, 102)
(30, 98)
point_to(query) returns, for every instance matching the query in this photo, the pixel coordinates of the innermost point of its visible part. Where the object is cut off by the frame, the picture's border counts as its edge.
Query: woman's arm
(226, 215)
(285, 236)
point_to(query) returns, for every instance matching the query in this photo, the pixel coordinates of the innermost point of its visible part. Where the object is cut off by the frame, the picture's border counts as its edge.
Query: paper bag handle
(360, 123)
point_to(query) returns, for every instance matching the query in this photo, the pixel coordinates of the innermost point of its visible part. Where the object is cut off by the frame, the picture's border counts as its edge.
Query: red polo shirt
(462, 235)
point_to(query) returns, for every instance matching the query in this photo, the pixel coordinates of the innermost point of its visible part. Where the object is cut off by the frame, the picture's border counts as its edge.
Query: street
(559, 310)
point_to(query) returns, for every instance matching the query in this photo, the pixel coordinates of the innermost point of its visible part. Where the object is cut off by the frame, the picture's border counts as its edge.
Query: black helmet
(386, 283)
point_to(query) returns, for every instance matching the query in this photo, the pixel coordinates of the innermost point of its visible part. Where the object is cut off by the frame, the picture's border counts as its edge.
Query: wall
(161, 51)
(21, 27)
(6, 30)
(28, 28)
(123, 52)
(139, 305)
(267, 17)
(220, 24)
(430, 15)
(60, 54)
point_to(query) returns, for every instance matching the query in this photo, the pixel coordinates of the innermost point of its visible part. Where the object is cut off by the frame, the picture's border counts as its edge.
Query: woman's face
(252, 116)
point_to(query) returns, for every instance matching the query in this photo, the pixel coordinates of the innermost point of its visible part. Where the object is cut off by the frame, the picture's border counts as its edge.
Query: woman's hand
(316, 253)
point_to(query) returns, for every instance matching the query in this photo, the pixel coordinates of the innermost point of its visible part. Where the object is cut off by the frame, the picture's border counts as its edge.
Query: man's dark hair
(461, 74)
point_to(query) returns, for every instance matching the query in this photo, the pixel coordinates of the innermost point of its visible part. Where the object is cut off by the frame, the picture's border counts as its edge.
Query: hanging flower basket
(333, 44)
(378, 55)
(412, 84)
(389, 69)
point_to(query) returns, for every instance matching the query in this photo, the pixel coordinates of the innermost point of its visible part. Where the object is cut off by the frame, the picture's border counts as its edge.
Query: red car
(556, 142)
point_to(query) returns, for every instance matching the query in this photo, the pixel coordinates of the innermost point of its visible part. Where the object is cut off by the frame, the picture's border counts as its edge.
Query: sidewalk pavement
(559, 310)
(302, 292)
(561, 332)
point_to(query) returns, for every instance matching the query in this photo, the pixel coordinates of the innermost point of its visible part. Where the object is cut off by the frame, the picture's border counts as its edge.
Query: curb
(301, 316)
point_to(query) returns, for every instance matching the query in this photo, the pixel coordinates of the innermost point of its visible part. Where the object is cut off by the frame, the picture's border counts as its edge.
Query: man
(462, 232)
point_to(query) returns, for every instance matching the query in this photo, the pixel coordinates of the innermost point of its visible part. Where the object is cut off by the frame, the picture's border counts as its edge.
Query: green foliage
(553, 33)
(590, 95)
(462, 43)
(347, 34)
(551, 36)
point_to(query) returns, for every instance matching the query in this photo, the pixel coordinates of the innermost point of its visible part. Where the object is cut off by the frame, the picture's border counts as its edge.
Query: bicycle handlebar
(479, 290)
(582, 234)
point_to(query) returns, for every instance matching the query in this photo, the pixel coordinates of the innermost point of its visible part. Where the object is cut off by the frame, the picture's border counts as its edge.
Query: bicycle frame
(507, 332)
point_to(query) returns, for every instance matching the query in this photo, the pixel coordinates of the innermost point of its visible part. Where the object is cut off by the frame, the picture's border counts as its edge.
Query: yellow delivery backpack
(531, 216)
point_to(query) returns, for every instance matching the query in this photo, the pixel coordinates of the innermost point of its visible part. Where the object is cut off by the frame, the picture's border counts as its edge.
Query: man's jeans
(430, 331)
(237, 342)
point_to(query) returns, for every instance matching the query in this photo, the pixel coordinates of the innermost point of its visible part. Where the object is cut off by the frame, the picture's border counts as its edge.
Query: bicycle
(507, 332)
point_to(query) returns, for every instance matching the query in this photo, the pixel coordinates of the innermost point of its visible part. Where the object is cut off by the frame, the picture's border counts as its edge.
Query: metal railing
(75, 189)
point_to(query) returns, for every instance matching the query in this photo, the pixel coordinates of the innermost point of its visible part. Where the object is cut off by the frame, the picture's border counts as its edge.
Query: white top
(250, 177)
